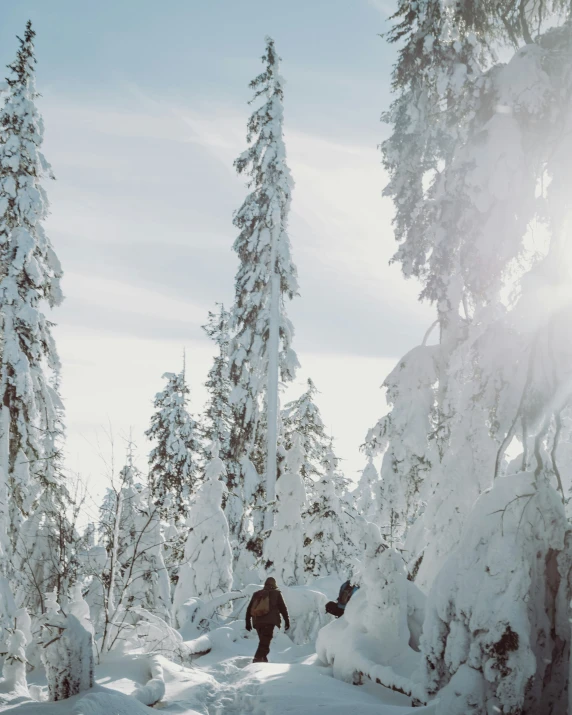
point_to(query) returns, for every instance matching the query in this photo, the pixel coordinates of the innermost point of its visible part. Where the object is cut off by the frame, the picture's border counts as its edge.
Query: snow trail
(294, 682)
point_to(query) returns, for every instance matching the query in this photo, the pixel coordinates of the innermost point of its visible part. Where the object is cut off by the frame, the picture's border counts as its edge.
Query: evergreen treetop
(173, 464)
(217, 419)
(302, 416)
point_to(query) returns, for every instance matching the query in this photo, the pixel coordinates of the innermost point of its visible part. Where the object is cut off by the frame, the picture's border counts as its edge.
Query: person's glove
(248, 626)
(286, 627)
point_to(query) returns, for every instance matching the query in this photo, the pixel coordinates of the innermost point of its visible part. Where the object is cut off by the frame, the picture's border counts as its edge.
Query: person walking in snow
(338, 608)
(264, 611)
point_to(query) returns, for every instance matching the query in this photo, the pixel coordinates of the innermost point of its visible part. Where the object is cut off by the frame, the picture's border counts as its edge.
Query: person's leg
(259, 655)
(265, 636)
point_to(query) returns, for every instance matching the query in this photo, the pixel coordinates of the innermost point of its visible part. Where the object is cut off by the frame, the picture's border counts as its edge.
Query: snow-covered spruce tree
(206, 571)
(402, 436)
(283, 550)
(484, 381)
(260, 349)
(506, 375)
(485, 377)
(129, 484)
(481, 374)
(429, 72)
(30, 274)
(439, 62)
(331, 466)
(217, 418)
(450, 158)
(173, 463)
(329, 545)
(366, 494)
(302, 416)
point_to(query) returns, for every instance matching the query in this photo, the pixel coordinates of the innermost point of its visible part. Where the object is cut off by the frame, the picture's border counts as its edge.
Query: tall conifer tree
(31, 424)
(262, 333)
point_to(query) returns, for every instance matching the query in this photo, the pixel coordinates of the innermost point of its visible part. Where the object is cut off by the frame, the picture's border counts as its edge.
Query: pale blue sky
(145, 106)
(338, 67)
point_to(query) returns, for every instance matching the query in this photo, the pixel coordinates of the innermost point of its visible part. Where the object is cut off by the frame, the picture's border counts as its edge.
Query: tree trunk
(272, 398)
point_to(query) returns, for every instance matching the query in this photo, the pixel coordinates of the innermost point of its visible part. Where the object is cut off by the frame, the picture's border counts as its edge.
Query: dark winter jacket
(347, 590)
(277, 609)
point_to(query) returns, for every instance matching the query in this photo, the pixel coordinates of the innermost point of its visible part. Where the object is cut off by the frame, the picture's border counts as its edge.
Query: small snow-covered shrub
(496, 636)
(307, 611)
(67, 655)
(197, 616)
(14, 670)
(153, 635)
(23, 622)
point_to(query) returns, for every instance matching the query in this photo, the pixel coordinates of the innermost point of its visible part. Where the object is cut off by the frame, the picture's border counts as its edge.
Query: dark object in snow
(333, 608)
(416, 566)
(264, 610)
(338, 608)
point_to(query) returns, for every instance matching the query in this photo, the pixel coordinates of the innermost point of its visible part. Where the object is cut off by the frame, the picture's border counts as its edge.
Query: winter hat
(270, 583)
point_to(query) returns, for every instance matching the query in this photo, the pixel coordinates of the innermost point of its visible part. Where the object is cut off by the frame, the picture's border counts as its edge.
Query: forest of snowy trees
(458, 530)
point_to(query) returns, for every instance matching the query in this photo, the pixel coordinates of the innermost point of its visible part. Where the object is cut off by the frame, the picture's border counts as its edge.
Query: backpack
(345, 593)
(260, 604)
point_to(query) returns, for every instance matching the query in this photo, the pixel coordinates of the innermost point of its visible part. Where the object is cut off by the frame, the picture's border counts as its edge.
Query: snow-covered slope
(226, 681)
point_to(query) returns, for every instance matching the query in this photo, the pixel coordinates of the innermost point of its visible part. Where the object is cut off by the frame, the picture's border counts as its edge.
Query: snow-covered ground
(224, 681)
